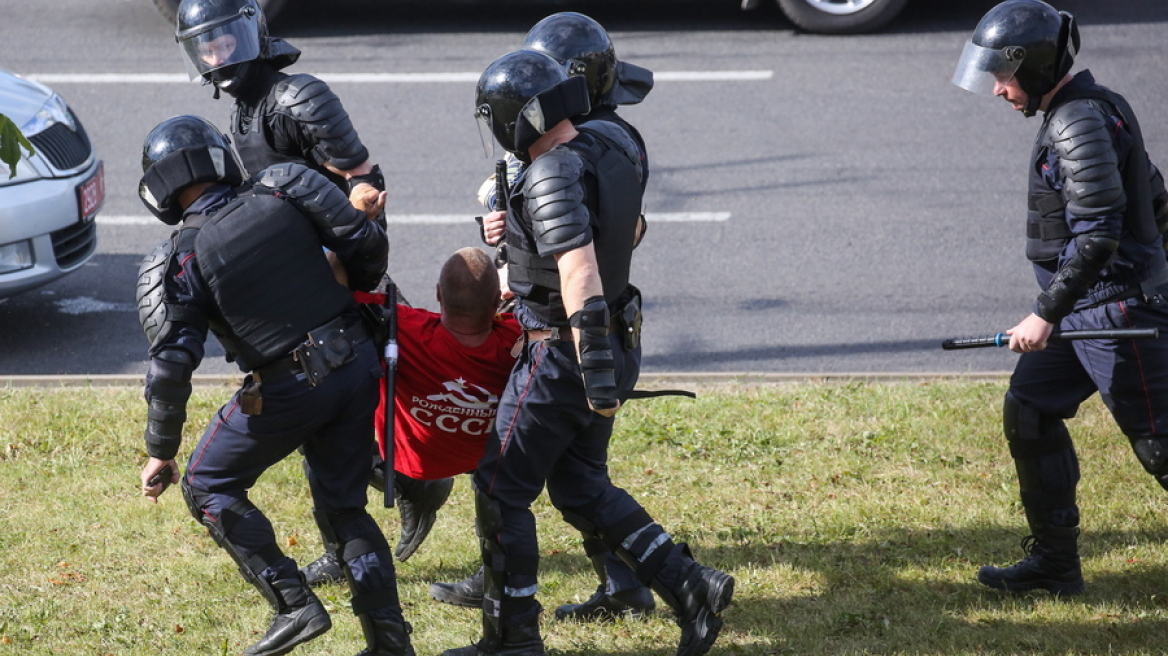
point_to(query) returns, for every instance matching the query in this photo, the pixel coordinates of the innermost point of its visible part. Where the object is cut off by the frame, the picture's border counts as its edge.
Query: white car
(820, 16)
(48, 206)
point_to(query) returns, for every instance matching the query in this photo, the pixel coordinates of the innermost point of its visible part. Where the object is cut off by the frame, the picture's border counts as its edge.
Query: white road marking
(86, 305)
(447, 219)
(379, 78)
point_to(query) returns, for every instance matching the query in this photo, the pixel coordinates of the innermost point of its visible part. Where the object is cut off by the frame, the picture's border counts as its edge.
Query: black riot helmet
(523, 94)
(221, 39)
(584, 48)
(178, 153)
(1028, 40)
(581, 45)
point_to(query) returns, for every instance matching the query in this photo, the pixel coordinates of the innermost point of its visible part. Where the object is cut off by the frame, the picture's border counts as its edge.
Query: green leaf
(11, 140)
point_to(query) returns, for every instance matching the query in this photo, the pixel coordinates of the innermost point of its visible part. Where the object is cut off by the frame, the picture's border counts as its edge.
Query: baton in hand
(1002, 339)
(500, 185)
(390, 385)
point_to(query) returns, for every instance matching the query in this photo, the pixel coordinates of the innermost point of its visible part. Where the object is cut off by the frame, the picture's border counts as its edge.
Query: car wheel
(841, 16)
(169, 8)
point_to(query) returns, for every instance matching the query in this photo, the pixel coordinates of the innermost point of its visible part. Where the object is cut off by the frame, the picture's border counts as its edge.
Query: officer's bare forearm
(579, 277)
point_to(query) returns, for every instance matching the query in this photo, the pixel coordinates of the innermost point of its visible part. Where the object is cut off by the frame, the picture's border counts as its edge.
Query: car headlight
(16, 256)
(53, 111)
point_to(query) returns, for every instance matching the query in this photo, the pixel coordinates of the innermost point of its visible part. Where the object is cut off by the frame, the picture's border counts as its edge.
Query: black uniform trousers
(333, 422)
(546, 433)
(1131, 375)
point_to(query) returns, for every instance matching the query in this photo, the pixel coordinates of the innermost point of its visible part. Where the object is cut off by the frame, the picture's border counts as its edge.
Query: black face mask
(236, 79)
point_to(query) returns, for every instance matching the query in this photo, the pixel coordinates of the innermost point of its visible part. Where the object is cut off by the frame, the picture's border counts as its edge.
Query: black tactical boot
(1051, 563)
(300, 617)
(601, 606)
(467, 592)
(698, 596)
(519, 638)
(418, 502)
(323, 570)
(386, 637)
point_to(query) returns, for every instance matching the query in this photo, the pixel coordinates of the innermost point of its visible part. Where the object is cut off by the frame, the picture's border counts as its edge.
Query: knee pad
(488, 517)
(251, 566)
(1152, 453)
(508, 578)
(1044, 456)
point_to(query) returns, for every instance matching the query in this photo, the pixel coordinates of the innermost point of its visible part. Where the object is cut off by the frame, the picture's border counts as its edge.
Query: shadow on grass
(875, 595)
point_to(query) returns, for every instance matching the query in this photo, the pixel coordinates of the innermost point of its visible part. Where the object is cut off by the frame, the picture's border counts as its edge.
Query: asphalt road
(857, 207)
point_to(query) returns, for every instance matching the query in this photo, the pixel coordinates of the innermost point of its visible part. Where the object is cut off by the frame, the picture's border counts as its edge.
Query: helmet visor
(221, 45)
(981, 69)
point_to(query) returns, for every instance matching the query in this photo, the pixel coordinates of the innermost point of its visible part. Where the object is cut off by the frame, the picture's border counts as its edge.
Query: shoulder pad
(553, 193)
(1088, 163)
(313, 104)
(151, 293)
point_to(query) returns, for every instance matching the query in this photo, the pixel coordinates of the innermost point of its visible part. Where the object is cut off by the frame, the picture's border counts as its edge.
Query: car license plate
(91, 194)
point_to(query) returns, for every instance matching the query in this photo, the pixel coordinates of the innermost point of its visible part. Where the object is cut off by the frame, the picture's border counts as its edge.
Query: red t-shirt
(446, 395)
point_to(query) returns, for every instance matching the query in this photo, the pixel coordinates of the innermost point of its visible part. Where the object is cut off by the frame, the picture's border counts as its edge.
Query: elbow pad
(360, 243)
(168, 386)
(596, 360)
(1076, 277)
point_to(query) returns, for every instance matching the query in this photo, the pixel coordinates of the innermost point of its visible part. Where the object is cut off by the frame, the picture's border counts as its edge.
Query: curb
(647, 380)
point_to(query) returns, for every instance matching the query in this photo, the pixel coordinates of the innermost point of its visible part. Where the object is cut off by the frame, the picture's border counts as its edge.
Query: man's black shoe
(627, 604)
(467, 592)
(418, 502)
(323, 570)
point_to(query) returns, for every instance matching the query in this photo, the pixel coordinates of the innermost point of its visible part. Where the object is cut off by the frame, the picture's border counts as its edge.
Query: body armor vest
(251, 125)
(265, 268)
(613, 195)
(609, 114)
(1047, 231)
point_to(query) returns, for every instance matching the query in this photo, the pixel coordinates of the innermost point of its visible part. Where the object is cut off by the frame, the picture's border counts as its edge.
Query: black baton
(1002, 339)
(390, 385)
(500, 185)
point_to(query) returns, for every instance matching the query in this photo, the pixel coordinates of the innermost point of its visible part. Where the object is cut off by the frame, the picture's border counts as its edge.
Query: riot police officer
(585, 49)
(1098, 256)
(570, 224)
(247, 264)
(277, 117)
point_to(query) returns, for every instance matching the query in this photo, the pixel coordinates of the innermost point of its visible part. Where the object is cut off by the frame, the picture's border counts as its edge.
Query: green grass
(853, 517)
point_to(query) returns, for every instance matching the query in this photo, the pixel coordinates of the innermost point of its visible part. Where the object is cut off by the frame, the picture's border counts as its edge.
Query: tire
(169, 8)
(841, 16)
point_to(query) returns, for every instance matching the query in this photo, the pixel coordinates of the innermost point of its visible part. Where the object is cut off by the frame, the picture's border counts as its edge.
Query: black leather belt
(282, 368)
(289, 366)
